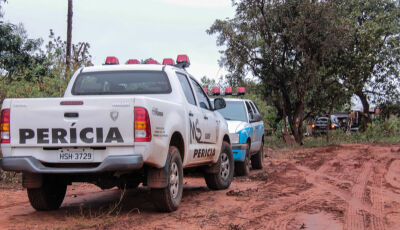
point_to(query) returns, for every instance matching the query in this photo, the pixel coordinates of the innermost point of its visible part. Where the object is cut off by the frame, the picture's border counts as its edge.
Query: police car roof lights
(216, 91)
(241, 91)
(228, 91)
(206, 90)
(168, 61)
(182, 61)
(151, 61)
(133, 61)
(111, 60)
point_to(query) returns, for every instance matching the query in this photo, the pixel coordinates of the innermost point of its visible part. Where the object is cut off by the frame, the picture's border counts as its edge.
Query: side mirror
(219, 103)
(256, 118)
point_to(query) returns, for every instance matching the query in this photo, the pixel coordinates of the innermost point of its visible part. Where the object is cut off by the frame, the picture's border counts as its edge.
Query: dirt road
(347, 187)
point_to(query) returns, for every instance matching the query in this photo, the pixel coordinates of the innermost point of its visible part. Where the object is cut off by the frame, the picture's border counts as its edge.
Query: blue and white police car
(246, 131)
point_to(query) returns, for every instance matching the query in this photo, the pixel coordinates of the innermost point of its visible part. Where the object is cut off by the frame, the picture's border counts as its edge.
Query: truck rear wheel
(223, 178)
(258, 158)
(49, 196)
(168, 199)
(242, 168)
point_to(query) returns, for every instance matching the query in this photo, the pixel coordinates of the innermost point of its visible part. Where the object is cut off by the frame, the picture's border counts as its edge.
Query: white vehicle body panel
(168, 114)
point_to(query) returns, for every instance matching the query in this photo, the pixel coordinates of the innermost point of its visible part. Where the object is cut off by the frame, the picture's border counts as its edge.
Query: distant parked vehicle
(321, 123)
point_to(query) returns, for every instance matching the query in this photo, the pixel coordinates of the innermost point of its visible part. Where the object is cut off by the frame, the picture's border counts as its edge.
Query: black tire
(168, 199)
(257, 159)
(223, 178)
(49, 196)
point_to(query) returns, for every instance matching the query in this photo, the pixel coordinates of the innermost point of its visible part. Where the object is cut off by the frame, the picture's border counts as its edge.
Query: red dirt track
(351, 187)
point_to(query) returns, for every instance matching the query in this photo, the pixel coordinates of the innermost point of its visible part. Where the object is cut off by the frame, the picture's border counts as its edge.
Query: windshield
(234, 110)
(121, 82)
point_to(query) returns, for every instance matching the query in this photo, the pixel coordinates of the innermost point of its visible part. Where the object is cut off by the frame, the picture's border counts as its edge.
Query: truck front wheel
(50, 195)
(168, 199)
(223, 178)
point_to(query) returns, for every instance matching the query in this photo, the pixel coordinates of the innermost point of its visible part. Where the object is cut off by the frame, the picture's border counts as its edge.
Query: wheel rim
(225, 167)
(174, 180)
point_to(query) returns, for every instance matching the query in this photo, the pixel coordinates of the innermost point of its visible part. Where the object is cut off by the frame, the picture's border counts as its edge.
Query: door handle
(190, 114)
(205, 118)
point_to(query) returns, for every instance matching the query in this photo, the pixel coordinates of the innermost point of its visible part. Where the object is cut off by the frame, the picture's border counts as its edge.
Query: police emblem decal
(114, 115)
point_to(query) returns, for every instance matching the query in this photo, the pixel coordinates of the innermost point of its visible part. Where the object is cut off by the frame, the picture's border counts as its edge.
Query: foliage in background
(289, 46)
(312, 56)
(371, 62)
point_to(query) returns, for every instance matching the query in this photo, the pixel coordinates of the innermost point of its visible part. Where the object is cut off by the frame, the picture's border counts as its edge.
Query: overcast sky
(131, 28)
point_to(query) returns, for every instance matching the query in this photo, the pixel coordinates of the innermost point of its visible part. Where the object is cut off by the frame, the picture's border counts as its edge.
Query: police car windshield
(121, 82)
(234, 110)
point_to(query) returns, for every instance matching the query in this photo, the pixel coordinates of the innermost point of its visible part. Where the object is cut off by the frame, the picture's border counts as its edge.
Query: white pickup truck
(118, 125)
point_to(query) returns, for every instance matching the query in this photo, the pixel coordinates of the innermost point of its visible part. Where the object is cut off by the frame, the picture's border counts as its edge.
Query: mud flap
(212, 169)
(32, 180)
(158, 178)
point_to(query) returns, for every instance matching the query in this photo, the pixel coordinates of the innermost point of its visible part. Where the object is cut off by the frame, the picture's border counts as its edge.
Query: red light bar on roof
(151, 61)
(241, 90)
(228, 91)
(183, 60)
(133, 61)
(168, 61)
(111, 60)
(206, 90)
(216, 91)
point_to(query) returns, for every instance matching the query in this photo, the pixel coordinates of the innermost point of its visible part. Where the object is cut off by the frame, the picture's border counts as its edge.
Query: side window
(203, 99)
(249, 110)
(253, 106)
(187, 89)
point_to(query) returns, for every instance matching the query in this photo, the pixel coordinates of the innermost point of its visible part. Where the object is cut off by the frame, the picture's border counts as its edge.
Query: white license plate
(76, 155)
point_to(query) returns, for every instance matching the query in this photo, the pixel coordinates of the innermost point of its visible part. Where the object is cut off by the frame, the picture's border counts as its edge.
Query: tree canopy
(304, 52)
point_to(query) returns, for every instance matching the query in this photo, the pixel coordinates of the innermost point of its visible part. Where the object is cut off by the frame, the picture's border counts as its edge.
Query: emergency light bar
(216, 91)
(168, 61)
(111, 60)
(182, 61)
(133, 61)
(241, 91)
(151, 61)
(228, 91)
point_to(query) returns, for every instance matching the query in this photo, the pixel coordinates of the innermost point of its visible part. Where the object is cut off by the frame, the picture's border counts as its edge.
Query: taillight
(313, 126)
(333, 127)
(142, 130)
(5, 126)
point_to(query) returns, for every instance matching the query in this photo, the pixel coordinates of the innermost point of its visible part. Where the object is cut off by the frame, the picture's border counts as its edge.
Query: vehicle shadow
(116, 202)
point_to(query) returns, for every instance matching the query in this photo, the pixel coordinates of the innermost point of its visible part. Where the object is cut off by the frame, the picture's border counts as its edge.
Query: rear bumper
(239, 151)
(32, 165)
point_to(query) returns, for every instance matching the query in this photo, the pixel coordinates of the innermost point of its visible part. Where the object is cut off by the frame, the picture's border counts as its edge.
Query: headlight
(235, 138)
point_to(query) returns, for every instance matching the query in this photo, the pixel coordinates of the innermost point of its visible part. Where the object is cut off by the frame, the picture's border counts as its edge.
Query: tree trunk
(366, 115)
(69, 37)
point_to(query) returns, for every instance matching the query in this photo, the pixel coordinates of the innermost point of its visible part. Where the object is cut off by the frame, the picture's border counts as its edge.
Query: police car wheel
(168, 199)
(223, 178)
(258, 158)
(49, 196)
(242, 168)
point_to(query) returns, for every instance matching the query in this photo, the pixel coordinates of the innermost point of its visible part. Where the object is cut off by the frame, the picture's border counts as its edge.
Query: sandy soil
(337, 187)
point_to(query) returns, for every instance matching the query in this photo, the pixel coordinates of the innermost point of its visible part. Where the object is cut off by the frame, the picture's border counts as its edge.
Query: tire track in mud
(377, 202)
(355, 217)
